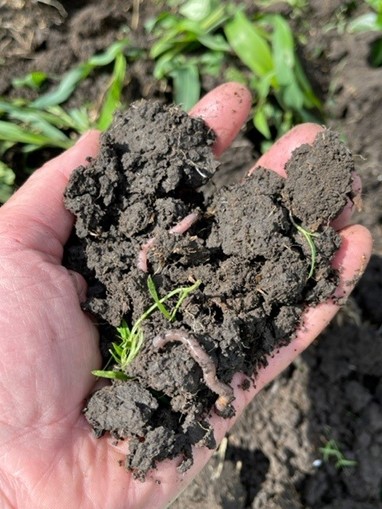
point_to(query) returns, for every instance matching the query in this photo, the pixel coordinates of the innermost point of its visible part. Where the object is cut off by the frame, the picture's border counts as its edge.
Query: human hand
(48, 455)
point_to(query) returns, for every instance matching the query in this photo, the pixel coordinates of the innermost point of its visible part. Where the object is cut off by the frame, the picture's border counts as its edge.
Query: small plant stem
(152, 308)
(308, 236)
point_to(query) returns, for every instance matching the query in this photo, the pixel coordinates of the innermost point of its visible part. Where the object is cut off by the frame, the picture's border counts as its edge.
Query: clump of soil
(243, 245)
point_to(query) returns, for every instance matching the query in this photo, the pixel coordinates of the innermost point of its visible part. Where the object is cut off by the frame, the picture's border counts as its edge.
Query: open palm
(48, 455)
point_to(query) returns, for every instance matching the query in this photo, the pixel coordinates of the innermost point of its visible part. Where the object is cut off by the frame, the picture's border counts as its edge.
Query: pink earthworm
(224, 391)
(142, 255)
(180, 228)
(186, 223)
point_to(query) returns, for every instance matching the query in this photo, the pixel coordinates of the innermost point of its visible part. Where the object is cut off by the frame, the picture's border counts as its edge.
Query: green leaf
(124, 330)
(366, 23)
(80, 119)
(164, 64)
(282, 50)
(7, 179)
(38, 120)
(293, 96)
(196, 9)
(263, 85)
(184, 293)
(32, 80)
(71, 79)
(234, 74)
(65, 88)
(114, 375)
(211, 63)
(186, 85)
(261, 122)
(16, 134)
(154, 294)
(113, 96)
(214, 42)
(248, 43)
(310, 98)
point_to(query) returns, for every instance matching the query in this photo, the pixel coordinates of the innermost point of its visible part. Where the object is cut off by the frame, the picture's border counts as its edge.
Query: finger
(35, 216)
(280, 153)
(224, 109)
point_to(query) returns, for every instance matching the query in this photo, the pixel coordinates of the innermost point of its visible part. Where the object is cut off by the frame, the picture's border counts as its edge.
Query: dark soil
(333, 391)
(245, 248)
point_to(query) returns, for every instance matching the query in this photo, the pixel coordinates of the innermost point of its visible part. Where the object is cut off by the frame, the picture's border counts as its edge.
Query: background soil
(333, 391)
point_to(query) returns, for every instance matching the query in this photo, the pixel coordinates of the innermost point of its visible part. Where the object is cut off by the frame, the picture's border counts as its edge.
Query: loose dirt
(243, 245)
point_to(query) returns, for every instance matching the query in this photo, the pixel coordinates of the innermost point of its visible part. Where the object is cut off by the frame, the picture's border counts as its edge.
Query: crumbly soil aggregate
(245, 248)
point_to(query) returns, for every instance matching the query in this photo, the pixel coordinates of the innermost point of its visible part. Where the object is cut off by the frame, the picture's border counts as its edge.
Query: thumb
(35, 216)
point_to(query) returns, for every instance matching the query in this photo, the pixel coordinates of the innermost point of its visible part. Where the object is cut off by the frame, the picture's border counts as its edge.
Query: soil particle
(252, 262)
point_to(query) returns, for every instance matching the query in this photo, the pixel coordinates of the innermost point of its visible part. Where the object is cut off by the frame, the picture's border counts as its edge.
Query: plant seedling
(308, 235)
(211, 37)
(46, 121)
(331, 450)
(131, 339)
(371, 21)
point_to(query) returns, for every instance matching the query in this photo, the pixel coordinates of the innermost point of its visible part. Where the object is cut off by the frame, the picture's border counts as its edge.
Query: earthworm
(224, 391)
(180, 228)
(142, 255)
(186, 223)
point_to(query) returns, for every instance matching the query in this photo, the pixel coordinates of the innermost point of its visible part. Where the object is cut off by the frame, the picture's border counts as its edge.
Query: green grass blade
(311, 100)
(12, 132)
(71, 79)
(109, 54)
(80, 119)
(113, 375)
(196, 10)
(40, 121)
(154, 294)
(260, 121)
(33, 80)
(113, 96)
(64, 89)
(282, 50)
(186, 83)
(365, 23)
(7, 179)
(214, 42)
(185, 292)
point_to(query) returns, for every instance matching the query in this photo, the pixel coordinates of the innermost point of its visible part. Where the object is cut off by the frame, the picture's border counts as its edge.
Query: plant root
(225, 392)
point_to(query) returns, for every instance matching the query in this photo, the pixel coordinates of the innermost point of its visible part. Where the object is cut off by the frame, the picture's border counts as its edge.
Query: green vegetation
(219, 39)
(332, 451)
(370, 22)
(308, 235)
(7, 179)
(45, 122)
(131, 338)
(191, 39)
